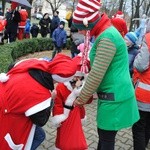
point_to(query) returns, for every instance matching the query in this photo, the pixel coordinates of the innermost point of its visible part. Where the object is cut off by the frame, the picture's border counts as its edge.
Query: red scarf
(103, 24)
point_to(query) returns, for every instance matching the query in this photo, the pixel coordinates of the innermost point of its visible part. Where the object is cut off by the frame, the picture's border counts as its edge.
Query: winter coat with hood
(142, 73)
(59, 37)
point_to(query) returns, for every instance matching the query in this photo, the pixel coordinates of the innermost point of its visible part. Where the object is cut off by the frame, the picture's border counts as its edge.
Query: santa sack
(70, 135)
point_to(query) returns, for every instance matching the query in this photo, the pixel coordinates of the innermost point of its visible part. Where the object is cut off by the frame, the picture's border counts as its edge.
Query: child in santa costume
(26, 97)
(69, 119)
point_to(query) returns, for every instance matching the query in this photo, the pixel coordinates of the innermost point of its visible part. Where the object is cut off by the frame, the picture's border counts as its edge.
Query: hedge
(10, 52)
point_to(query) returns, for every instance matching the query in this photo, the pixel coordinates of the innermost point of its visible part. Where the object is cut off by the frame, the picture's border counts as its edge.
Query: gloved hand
(64, 45)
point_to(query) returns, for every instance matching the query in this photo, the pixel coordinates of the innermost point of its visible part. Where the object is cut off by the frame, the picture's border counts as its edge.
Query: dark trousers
(56, 51)
(12, 36)
(106, 139)
(141, 131)
(39, 137)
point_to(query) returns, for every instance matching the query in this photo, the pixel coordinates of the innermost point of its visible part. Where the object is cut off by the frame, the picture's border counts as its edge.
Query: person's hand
(78, 102)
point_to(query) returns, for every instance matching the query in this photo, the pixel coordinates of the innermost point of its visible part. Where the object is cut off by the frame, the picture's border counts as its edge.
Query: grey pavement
(123, 139)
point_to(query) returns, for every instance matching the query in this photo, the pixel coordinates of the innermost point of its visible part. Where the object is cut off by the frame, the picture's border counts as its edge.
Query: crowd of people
(98, 63)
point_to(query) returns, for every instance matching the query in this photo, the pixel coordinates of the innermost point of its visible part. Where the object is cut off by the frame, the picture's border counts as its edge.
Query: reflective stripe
(144, 86)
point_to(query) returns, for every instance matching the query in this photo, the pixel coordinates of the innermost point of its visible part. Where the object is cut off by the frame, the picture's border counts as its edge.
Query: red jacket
(2, 25)
(24, 16)
(143, 80)
(17, 103)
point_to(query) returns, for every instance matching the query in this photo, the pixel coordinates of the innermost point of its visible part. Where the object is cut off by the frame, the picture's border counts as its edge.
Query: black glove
(64, 45)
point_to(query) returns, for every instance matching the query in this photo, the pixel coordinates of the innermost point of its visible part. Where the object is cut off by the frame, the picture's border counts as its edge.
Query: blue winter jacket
(59, 37)
(132, 52)
(27, 27)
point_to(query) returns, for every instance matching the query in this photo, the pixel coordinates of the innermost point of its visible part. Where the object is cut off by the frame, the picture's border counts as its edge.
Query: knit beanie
(62, 23)
(132, 37)
(86, 14)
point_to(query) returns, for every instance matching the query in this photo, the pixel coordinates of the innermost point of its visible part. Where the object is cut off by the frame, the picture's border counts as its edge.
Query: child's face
(61, 26)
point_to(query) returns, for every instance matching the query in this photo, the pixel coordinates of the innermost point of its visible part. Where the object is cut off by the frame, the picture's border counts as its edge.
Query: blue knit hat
(132, 37)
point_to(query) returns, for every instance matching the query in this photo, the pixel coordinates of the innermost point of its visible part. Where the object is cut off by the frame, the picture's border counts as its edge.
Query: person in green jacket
(109, 75)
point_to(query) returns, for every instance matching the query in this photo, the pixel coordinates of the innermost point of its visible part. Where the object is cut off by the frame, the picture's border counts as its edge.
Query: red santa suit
(2, 27)
(22, 24)
(68, 119)
(22, 96)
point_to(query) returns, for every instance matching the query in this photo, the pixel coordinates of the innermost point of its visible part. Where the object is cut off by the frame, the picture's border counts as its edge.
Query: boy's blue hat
(132, 37)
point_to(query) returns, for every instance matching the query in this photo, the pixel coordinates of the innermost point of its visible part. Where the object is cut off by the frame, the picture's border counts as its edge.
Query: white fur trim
(39, 107)
(56, 120)
(30, 138)
(68, 85)
(61, 79)
(4, 77)
(11, 144)
(79, 73)
(72, 96)
(119, 16)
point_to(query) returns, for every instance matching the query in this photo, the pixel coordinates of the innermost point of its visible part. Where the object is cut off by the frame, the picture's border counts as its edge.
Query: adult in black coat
(13, 18)
(44, 23)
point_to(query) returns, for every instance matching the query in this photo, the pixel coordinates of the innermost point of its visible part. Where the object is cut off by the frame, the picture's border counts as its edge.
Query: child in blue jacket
(59, 38)
(27, 29)
(133, 49)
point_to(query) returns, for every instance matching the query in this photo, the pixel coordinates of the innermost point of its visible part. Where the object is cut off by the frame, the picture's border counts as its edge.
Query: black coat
(13, 18)
(44, 23)
(34, 30)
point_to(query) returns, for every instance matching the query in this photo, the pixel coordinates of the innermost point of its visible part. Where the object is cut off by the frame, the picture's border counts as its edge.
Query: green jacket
(122, 111)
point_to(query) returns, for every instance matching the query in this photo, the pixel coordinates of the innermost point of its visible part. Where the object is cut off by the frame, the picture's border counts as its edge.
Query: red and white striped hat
(86, 14)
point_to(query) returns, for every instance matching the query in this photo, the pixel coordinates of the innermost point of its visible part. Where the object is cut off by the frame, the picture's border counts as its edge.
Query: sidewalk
(123, 138)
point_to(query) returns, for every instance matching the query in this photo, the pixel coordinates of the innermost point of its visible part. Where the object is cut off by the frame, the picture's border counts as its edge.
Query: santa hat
(119, 14)
(86, 14)
(59, 67)
(132, 37)
(14, 5)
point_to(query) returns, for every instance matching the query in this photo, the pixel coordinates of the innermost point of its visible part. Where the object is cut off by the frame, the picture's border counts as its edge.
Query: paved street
(123, 139)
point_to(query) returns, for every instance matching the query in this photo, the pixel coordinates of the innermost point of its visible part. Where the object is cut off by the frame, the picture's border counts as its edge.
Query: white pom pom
(4, 77)
(85, 22)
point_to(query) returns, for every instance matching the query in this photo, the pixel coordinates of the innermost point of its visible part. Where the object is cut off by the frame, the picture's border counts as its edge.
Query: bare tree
(121, 5)
(3, 5)
(29, 10)
(55, 4)
(146, 7)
